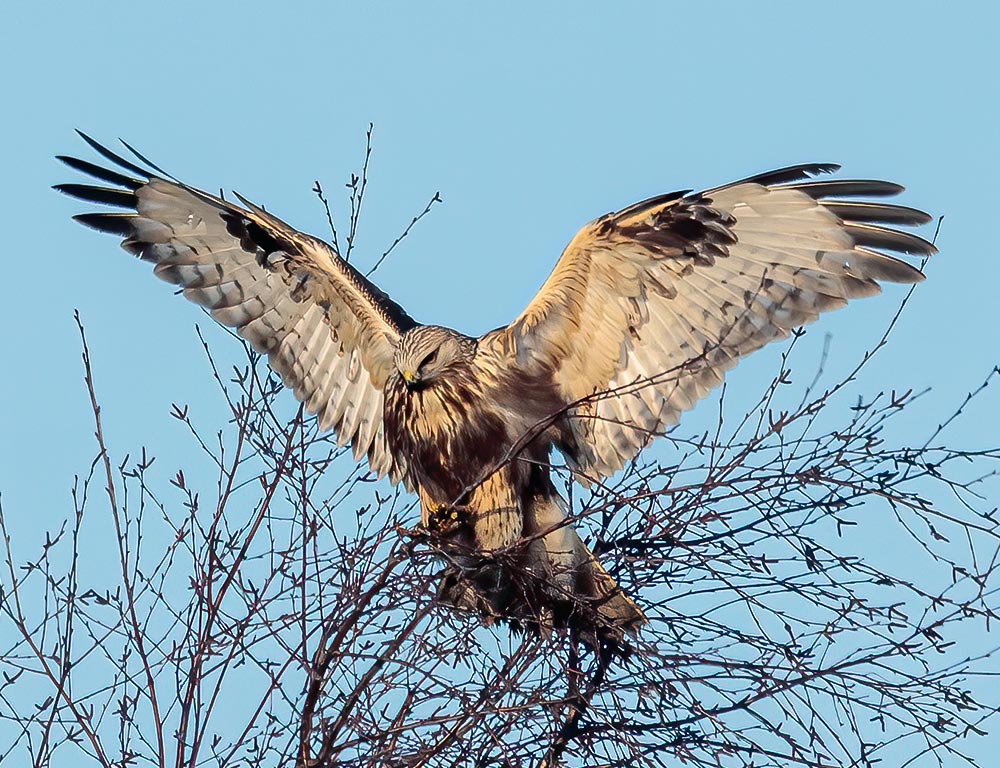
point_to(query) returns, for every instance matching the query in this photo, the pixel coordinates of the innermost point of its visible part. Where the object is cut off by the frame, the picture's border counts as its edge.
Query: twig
(427, 208)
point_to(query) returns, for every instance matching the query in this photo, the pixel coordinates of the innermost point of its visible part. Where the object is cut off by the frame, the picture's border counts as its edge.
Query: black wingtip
(877, 213)
(119, 198)
(820, 190)
(113, 157)
(885, 238)
(144, 159)
(98, 172)
(791, 173)
(112, 223)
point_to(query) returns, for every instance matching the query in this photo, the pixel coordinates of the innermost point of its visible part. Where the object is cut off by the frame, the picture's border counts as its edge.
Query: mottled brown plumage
(644, 312)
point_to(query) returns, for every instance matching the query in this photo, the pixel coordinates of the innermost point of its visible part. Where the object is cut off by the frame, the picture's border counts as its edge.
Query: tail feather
(547, 580)
(613, 605)
(598, 609)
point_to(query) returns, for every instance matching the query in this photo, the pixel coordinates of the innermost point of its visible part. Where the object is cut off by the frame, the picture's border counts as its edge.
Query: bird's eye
(428, 359)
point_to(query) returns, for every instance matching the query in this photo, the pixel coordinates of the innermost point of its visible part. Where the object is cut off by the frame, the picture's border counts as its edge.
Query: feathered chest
(449, 432)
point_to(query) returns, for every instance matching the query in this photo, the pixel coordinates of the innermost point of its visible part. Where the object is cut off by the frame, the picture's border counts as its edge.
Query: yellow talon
(443, 516)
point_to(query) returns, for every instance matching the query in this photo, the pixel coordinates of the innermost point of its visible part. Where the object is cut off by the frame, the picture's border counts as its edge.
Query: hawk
(644, 312)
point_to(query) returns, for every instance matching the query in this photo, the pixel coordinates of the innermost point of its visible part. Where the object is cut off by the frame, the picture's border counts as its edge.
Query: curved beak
(409, 377)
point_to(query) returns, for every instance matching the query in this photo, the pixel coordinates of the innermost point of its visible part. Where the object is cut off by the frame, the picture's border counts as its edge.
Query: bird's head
(426, 351)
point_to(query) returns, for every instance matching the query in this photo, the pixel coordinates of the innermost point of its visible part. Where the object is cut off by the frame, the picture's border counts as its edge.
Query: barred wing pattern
(648, 307)
(326, 330)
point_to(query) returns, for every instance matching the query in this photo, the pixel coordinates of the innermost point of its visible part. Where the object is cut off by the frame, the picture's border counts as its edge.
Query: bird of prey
(644, 312)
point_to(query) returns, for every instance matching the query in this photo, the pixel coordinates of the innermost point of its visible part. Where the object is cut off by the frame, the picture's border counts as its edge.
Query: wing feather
(327, 331)
(647, 308)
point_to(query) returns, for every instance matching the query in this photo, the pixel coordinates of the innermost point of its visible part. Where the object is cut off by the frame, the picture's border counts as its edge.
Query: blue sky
(529, 119)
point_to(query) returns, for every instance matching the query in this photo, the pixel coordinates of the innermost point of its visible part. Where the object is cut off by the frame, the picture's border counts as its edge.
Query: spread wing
(326, 330)
(648, 307)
